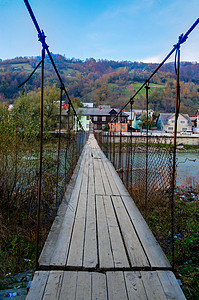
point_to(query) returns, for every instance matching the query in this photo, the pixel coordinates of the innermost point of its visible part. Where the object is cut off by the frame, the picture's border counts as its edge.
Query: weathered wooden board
(53, 235)
(170, 285)
(118, 249)
(153, 287)
(91, 184)
(122, 189)
(153, 250)
(69, 284)
(111, 180)
(76, 251)
(90, 246)
(131, 285)
(99, 187)
(99, 287)
(104, 244)
(38, 285)
(84, 185)
(133, 246)
(134, 285)
(83, 290)
(116, 286)
(107, 188)
(60, 250)
(53, 286)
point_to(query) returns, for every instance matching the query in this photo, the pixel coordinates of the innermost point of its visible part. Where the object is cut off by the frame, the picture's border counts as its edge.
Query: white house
(166, 122)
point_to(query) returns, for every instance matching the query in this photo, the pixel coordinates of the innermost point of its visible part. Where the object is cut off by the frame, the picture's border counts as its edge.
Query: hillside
(105, 82)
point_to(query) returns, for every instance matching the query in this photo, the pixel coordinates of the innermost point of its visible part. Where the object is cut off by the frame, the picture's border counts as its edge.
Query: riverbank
(16, 286)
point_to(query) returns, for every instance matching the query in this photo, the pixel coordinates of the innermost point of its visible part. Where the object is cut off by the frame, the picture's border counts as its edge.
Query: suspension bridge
(99, 246)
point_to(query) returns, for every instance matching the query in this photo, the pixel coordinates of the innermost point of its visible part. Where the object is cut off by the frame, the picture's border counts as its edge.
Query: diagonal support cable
(30, 75)
(41, 37)
(182, 38)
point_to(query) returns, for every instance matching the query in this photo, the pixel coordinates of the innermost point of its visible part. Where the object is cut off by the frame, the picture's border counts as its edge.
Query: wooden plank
(91, 185)
(134, 285)
(51, 241)
(99, 187)
(104, 251)
(122, 189)
(69, 283)
(99, 288)
(76, 250)
(153, 286)
(119, 253)
(111, 180)
(38, 285)
(170, 285)
(53, 286)
(156, 256)
(83, 291)
(60, 252)
(105, 180)
(90, 247)
(116, 286)
(133, 247)
(84, 185)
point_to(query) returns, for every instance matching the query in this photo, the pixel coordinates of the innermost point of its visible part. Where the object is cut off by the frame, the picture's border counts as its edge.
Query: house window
(95, 126)
(182, 122)
(103, 125)
(184, 128)
(123, 127)
(112, 126)
(94, 118)
(172, 121)
(87, 125)
(79, 117)
(170, 128)
(88, 118)
(104, 119)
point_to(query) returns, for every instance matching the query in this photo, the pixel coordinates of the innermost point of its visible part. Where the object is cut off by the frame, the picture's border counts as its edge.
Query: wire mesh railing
(146, 171)
(38, 153)
(146, 162)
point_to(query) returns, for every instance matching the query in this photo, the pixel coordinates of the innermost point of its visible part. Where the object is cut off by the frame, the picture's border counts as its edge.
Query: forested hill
(105, 81)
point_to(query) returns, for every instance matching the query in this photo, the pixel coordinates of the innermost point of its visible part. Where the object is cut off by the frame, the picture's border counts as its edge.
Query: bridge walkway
(99, 246)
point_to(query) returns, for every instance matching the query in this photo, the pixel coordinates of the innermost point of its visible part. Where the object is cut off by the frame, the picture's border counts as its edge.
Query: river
(187, 169)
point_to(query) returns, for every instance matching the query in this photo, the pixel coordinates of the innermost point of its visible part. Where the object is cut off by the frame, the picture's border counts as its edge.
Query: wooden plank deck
(112, 285)
(99, 246)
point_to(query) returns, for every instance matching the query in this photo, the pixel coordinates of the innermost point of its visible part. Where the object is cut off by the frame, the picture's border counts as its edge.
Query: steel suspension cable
(182, 38)
(42, 37)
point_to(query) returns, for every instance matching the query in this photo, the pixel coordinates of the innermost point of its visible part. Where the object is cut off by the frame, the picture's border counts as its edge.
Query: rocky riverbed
(16, 286)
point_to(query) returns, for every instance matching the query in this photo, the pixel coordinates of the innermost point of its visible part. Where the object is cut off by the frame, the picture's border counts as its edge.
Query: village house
(135, 117)
(101, 116)
(166, 122)
(195, 121)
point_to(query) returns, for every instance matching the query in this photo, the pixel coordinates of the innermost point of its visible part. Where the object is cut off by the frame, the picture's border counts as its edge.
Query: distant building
(195, 121)
(102, 115)
(135, 116)
(166, 122)
(86, 104)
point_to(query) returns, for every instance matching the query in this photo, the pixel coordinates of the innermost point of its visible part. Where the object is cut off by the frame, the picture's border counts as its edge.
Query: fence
(145, 168)
(146, 165)
(36, 163)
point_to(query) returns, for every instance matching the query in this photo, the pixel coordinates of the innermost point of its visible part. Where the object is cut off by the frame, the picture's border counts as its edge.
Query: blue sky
(136, 30)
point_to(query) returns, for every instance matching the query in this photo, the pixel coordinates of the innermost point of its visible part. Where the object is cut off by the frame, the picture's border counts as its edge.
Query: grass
(25, 66)
(186, 239)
